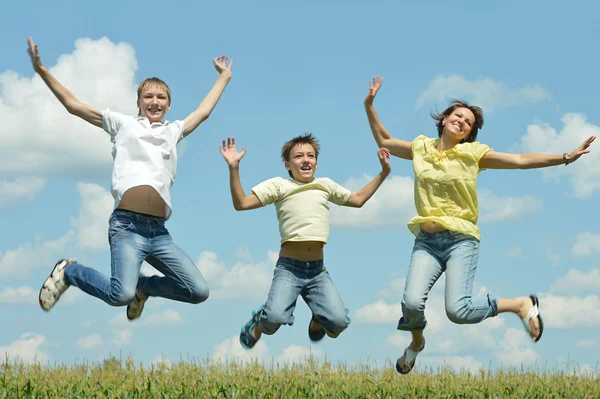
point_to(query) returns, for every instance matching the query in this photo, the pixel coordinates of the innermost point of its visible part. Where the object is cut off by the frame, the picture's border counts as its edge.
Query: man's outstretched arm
(71, 103)
(209, 102)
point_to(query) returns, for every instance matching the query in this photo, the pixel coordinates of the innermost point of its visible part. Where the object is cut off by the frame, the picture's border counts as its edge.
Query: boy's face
(302, 162)
(153, 103)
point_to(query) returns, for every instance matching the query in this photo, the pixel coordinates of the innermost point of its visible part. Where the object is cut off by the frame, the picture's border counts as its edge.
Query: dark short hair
(454, 103)
(306, 138)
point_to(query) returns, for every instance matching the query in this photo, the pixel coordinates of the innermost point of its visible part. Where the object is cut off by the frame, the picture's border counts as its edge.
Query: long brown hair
(454, 103)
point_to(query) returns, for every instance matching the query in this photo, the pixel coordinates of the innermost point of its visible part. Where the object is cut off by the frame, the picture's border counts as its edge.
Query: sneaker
(315, 335)
(247, 339)
(55, 285)
(136, 306)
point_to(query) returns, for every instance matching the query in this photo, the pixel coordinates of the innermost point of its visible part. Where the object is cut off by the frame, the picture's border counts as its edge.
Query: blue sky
(298, 68)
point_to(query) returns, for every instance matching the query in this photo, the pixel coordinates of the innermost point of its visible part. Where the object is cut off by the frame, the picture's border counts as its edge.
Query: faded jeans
(133, 238)
(456, 254)
(311, 280)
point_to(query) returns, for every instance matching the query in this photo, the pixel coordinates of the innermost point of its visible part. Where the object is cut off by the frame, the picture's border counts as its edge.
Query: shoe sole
(46, 281)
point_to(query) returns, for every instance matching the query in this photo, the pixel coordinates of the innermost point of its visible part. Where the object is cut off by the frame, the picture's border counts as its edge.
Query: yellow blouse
(445, 185)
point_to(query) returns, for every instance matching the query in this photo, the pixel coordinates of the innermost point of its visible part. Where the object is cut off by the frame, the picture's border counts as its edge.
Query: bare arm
(360, 198)
(209, 102)
(241, 201)
(70, 102)
(501, 160)
(398, 148)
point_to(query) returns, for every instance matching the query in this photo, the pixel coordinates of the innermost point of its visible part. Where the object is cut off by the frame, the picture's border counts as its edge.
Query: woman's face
(459, 124)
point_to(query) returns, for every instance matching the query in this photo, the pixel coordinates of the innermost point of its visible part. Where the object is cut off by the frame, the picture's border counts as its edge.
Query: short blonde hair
(154, 82)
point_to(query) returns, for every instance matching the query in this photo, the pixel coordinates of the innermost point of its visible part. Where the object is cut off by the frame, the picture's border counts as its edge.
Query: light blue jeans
(311, 280)
(456, 254)
(133, 238)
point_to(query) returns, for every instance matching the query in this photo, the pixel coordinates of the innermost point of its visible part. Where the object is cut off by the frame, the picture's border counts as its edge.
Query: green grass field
(123, 379)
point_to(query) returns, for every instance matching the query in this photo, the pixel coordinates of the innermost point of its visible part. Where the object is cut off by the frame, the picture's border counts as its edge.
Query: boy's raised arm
(357, 200)
(209, 102)
(71, 103)
(241, 201)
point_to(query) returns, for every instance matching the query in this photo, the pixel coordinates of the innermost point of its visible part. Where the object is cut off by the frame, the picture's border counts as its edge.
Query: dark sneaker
(247, 339)
(315, 335)
(136, 307)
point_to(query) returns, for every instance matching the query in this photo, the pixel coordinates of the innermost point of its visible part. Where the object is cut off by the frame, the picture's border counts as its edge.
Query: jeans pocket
(118, 227)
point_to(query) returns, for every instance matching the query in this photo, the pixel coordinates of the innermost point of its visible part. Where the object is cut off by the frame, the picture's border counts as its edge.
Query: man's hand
(230, 153)
(374, 86)
(221, 65)
(384, 159)
(34, 55)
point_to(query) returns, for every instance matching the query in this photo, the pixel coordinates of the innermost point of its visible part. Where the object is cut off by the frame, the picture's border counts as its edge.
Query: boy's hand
(581, 150)
(221, 65)
(374, 86)
(384, 159)
(34, 55)
(230, 153)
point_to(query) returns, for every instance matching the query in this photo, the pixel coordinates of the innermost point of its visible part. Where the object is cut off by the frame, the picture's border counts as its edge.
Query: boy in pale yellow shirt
(302, 205)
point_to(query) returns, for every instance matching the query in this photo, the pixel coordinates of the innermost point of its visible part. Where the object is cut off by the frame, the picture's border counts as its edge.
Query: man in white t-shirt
(145, 163)
(302, 205)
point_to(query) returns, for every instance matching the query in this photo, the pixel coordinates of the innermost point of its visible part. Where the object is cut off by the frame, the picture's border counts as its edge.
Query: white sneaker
(136, 306)
(55, 285)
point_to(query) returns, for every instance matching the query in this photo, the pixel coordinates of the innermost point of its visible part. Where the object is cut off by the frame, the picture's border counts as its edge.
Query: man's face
(302, 162)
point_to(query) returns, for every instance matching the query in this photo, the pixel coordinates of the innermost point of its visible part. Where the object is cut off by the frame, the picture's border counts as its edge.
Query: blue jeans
(133, 238)
(457, 255)
(311, 280)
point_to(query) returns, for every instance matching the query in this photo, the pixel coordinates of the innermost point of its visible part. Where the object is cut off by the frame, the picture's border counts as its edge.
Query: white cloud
(27, 349)
(19, 189)
(295, 354)
(584, 175)
(577, 282)
(166, 317)
(89, 342)
(515, 349)
(513, 252)
(570, 311)
(391, 205)
(231, 350)
(244, 254)
(123, 337)
(394, 290)
(243, 280)
(19, 262)
(484, 92)
(20, 295)
(379, 312)
(94, 212)
(586, 244)
(87, 323)
(45, 139)
(161, 361)
(496, 209)
(588, 344)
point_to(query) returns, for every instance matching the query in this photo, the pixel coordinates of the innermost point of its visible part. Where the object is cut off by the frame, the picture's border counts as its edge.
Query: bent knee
(120, 297)
(335, 326)
(199, 294)
(457, 314)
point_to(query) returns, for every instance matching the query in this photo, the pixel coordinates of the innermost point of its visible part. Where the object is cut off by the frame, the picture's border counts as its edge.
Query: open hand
(34, 54)
(582, 149)
(384, 159)
(221, 65)
(230, 153)
(374, 86)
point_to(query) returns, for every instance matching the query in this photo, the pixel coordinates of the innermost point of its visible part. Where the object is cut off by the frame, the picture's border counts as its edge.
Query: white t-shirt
(143, 153)
(302, 208)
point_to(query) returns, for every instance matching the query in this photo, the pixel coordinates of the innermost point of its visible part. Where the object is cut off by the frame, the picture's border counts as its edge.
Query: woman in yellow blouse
(447, 237)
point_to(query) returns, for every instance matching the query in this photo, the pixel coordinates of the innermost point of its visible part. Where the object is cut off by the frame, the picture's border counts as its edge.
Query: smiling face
(459, 124)
(302, 162)
(154, 99)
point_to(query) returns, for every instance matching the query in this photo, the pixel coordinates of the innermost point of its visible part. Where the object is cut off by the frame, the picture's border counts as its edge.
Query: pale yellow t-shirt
(302, 208)
(445, 185)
